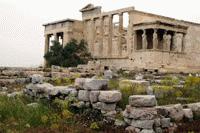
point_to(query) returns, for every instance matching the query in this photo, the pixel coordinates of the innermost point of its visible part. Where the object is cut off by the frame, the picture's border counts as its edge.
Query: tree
(71, 55)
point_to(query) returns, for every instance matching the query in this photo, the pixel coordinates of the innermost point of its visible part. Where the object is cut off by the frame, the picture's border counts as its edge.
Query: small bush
(127, 89)
(94, 126)
(61, 81)
(113, 84)
(170, 81)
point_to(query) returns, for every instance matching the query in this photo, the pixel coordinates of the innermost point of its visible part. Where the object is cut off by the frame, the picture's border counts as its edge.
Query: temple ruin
(131, 39)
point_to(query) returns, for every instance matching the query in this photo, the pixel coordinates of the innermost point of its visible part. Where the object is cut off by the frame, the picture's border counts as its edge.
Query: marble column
(164, 42)
(101, 36)
(134, 41)
(110, 26)
(120, 33)
(155, 39)
(144, 40)
(168, 42)
(130, 39)
(93, 35)
(46, 48)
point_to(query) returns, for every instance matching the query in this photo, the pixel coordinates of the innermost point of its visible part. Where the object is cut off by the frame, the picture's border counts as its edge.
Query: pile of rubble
(90, 92)
(142, 116)
(95, 92)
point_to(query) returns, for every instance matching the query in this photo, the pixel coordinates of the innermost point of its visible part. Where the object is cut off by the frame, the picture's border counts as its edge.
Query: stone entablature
(109, 38)
(159, 36)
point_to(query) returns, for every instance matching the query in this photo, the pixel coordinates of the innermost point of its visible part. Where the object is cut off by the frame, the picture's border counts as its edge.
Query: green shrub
(94, 126)
(127, 88)
(71, 55)
(170, 81)
(113, 84)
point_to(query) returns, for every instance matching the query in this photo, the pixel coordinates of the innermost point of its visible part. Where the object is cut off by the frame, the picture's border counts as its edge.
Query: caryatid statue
(155, 39)
(144, 40)
(168, 42)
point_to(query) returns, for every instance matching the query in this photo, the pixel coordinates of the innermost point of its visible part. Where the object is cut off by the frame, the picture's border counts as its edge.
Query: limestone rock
(95, 84)
(94, 96)
(37, 79)
(79, 82)
(175, 112)
(83, 95)
(119, 123)
(39, 89)
(14, 94)
(139, 76)
(158, 130)
(144, 124)
(108, 106)
(131, 129)
(34, 105)
(127, 120)
(195, 107)
(110, 96)
(140, 113)
(147, 131)
(97, 105)
(142, 100)
(188, 114)
(165, 122)
(66, 90)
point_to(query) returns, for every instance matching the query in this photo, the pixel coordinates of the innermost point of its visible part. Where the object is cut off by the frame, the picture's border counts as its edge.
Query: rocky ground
(118, 101)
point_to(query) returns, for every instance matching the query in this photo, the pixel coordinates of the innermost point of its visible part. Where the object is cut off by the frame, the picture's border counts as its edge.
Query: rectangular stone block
(83, 95)
(144, 124)
(142, 101)
(110, 96)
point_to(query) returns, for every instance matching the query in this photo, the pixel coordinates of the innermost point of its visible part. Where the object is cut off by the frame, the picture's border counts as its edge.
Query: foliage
(169, 81)
(192, 88)
(94, 126)
(113, 84)
(15, 114)
(127, 89)
(62, 81)
(72, 54)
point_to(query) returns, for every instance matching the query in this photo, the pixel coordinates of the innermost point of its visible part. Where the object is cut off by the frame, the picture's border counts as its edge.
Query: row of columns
(109, 35)
(177, 41)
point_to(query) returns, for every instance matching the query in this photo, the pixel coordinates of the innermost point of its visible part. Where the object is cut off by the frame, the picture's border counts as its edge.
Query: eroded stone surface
(142, 100)
(110, 96)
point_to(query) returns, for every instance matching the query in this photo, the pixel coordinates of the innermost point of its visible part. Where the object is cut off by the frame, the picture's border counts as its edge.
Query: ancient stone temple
(131, 39)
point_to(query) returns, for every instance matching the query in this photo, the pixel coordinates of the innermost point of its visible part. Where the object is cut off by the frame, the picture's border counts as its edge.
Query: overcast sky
(21, 31)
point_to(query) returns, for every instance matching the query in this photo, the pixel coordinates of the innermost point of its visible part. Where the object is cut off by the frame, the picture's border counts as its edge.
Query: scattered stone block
(108, 106)
(79, 82)
(37, 79)
(140, 113)
(94, 96)
(165, 122)
(95, 84)
(142, 100)
(195, 107)
(188, 114)
(83, 95)
(144, 124)
(110, 96)
(175, 112)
